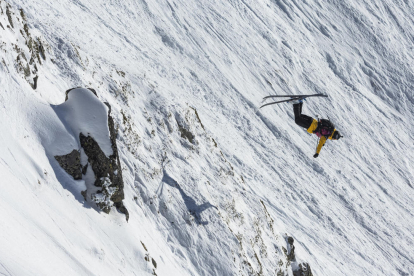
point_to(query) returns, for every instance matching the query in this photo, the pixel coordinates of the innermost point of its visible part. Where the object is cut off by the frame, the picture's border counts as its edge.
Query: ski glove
(316, 155)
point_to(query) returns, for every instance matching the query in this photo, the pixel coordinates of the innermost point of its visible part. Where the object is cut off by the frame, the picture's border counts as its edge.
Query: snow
(224, 201)
(84, 113)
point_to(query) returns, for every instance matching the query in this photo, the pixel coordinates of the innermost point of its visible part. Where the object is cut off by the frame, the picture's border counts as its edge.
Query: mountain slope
(213, 185)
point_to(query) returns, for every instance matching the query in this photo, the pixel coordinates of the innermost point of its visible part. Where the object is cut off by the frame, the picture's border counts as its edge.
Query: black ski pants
(300, 119)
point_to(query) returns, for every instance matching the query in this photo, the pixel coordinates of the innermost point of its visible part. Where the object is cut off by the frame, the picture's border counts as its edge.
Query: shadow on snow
(189, 202)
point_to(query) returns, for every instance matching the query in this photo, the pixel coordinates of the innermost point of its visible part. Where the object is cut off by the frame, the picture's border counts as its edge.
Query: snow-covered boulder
(91, 123)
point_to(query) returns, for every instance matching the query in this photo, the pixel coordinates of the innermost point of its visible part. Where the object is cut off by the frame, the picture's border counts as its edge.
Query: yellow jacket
(322, 140)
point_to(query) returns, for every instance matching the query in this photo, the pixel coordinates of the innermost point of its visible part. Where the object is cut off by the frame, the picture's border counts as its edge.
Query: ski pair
(291, 98)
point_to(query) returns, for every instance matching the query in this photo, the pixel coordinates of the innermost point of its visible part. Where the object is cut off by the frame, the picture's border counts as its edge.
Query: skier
(323, 128)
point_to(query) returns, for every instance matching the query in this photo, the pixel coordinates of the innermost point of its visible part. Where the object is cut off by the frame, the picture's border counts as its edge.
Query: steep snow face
(213, 185)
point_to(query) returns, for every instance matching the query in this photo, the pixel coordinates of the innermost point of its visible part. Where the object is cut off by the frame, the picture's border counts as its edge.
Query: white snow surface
(223, 200)
(84, 113)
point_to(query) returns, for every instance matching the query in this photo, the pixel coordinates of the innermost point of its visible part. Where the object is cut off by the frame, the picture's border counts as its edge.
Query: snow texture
(84, 113)
(213, 185)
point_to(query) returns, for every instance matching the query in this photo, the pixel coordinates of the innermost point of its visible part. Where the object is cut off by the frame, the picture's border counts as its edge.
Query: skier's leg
(300, 119)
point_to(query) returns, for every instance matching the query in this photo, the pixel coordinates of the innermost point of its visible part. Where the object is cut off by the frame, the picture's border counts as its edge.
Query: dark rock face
(101, 165)
(71, 164)
(107, 171)
(118, 197)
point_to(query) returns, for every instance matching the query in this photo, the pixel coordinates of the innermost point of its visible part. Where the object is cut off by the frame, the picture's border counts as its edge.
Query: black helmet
(336, 135)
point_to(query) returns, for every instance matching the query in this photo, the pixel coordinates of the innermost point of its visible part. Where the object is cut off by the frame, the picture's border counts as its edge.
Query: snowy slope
(213, 185)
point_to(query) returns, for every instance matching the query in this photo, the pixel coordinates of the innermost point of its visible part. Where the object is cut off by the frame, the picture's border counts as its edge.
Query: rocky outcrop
(29, 51)
(71, 164)
(108, 174)
(9, 17)
(301, 269)
(291, 255)
(107, 169)
(304, 270)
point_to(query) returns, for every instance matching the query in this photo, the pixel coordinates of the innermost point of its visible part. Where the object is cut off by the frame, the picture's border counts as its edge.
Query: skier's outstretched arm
(320, 145)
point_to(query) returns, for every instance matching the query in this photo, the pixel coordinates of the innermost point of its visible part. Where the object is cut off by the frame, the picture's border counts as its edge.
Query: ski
(292, 98)
(288, 100)
(281, 96)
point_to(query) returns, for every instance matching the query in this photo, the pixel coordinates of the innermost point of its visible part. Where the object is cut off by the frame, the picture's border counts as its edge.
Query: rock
(34, 86)
(185, 133)
(291, 255)
(9, 16)
(122, 209)
(304, 270)
(102, 198)
(107, 169)
(41, 50)
(115, 159)
(107, 172)
(27, 55)
(154, 263)
(100, 164)
(71, 164)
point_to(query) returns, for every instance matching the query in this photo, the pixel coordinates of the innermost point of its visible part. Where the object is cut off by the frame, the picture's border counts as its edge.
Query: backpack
(325, 127)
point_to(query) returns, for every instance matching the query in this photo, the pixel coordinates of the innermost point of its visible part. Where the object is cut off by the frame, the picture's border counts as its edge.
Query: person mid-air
(323, 128)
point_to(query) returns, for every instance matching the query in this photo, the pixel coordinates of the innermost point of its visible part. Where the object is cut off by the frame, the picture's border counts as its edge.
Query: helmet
(336, 135)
